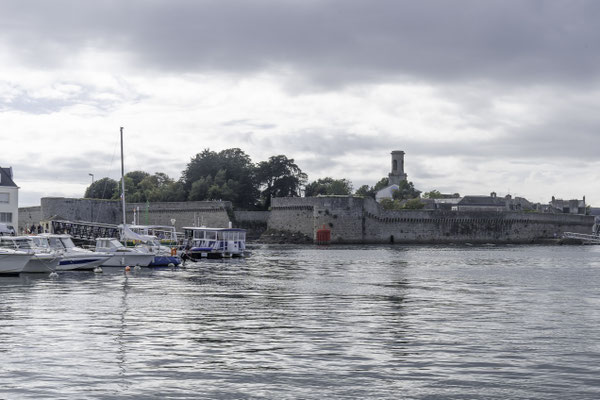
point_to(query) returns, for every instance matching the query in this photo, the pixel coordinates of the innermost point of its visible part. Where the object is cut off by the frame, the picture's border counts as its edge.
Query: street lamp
(92, 175)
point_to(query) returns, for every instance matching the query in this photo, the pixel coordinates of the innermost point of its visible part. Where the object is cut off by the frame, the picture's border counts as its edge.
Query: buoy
(53, 274)
(98, 270)
(127, 268)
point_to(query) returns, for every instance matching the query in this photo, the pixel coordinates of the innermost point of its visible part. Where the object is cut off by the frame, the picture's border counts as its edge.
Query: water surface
(379, 322)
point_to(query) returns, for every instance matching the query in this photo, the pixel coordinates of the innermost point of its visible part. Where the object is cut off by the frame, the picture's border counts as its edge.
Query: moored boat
(74, 258)
(140, 236)
(121, 256)
(43, 259)
(203, 242)
(12, 261)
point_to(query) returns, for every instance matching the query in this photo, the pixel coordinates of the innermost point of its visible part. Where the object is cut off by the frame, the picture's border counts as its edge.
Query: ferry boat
(203, 242)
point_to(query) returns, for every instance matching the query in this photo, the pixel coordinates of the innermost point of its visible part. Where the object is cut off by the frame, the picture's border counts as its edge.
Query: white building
(9, 198)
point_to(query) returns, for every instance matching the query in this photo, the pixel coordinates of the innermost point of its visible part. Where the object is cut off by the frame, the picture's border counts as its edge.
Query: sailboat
(123, 256)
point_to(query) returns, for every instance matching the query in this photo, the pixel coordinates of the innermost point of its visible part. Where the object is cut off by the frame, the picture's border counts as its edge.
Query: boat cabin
(214, 242)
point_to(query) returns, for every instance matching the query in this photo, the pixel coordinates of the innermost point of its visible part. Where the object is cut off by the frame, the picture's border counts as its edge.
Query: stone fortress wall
(362, 220)
(209, 213)
(350, 219)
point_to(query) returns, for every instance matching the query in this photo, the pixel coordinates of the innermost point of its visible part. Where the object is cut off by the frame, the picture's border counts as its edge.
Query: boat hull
(41, 264)
(165, 261)
(129, 259)
(13, 264)
(80, 263)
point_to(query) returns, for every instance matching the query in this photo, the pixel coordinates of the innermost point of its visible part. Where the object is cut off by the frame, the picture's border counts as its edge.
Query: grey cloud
(328, 42)
(101, 99)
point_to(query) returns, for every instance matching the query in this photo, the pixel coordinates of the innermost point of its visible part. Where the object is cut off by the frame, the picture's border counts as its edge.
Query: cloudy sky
(481, 95)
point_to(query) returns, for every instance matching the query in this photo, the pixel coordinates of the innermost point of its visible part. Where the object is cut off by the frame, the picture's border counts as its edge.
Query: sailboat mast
(123, 181)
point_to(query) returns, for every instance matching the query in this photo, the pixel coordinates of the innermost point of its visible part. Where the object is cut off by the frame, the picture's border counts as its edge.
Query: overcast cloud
(481, 95)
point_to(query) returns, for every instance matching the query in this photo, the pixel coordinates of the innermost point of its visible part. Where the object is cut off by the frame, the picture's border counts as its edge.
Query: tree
(104, 188)
(280, 177)
(232, 172)
(328, 186)
(406, 190)
(413, 204)
(434, 194)
(365, 191)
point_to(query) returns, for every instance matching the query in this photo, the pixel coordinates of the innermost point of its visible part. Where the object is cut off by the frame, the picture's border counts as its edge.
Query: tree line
(230, 175)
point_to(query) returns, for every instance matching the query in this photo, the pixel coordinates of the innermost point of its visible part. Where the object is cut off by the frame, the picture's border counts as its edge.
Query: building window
(5, 217)
(4, 197)
(395, 165)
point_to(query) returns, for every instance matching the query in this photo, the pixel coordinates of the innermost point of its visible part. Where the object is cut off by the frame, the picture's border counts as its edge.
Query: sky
(495, 95)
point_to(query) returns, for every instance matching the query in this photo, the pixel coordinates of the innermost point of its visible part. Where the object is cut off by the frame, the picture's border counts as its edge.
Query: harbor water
(379, 322)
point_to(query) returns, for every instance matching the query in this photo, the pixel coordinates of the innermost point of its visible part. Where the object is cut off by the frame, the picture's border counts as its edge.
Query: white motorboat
(43, 259)
(12, 261)
(74, 258)
(122, 256)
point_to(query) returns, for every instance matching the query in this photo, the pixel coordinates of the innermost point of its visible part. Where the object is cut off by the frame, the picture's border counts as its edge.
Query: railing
(586, 238)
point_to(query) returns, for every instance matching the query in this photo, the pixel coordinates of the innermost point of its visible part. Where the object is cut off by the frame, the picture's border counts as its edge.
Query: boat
(74, 258)
(141, 238)
(204, 242)
(12, 261)
(121, 256)
(43, 259)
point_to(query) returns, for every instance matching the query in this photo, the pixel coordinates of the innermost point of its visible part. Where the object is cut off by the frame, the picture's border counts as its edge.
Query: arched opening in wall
(392, 239)
(395, 165)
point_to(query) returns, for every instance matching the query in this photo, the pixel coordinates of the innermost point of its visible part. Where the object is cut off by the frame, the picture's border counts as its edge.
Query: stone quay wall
(209, 213)
(215, 214)
(362, 220)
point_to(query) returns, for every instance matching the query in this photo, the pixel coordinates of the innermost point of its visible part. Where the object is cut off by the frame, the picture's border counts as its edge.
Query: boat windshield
(23, 243)
(40, 242)
(56, 243)
(67, 242)
(8, 243)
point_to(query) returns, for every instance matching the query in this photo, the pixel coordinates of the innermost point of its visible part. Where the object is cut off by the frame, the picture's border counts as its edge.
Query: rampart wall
(209, 213)
(362, 220)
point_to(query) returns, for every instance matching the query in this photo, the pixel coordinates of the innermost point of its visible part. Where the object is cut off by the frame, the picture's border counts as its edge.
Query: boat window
(23, 243)
(7, 243)
(67, 242)
(210, 235)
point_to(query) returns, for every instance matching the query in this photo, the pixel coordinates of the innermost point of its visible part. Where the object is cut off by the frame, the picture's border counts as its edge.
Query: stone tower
(397, 175)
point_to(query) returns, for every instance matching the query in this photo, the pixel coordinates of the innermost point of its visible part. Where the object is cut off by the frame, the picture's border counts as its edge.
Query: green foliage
(279, 177)
(104, 188)
(328, 186)
(413, 204)
(382, 184)
(389, 204)
(365, 191)
(227, 175)
(406, 190)
(434, 194)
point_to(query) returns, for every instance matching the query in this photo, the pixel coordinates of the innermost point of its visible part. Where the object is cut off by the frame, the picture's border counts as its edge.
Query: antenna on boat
(123, 181)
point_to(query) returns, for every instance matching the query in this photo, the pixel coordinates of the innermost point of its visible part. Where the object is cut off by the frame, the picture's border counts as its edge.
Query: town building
(9, 198)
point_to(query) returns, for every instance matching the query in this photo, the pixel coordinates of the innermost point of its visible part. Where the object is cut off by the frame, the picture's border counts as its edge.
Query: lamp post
(92, 175)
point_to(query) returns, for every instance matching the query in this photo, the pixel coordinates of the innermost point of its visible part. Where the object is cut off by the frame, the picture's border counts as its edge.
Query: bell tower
(397, 175)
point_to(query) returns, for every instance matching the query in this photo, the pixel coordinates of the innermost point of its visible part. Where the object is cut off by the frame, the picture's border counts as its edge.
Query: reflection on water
(310, 322)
